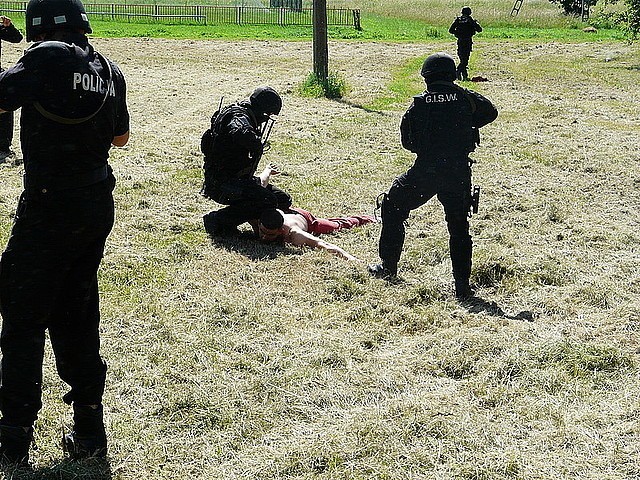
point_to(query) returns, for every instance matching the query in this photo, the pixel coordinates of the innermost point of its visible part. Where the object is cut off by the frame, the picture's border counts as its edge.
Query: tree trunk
(320, 46)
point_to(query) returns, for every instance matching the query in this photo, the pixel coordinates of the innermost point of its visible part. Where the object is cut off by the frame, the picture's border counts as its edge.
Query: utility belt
(50, 183)
(453, 162)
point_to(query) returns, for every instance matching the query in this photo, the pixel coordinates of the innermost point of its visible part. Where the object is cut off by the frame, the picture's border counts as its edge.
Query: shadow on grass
(357, 105)
(248, 245)
(90, 469)
(477, 304)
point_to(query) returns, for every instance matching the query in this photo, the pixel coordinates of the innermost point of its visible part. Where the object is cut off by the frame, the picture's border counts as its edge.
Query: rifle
(266, 131)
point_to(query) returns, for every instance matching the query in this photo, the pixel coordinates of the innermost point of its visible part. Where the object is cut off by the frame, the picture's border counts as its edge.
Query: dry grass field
(236, 360)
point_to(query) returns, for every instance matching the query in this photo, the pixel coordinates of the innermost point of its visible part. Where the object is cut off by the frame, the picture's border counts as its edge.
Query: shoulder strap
(223, 113)
(75, 121)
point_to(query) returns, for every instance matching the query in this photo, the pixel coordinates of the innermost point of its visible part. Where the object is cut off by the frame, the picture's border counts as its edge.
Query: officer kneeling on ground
(233, 147)
(440, 127)
(73, 110)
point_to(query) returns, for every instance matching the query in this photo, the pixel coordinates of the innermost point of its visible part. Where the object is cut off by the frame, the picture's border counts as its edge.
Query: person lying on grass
(301, 228)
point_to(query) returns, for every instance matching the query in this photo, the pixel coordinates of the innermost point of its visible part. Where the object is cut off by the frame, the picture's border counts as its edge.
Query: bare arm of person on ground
(265, 175)
(293, 231)
(301, 238)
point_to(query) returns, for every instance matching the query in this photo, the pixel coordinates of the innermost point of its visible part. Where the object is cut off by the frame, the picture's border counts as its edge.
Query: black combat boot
(215, 229)
(380, 270)
(14, 444)
(88, 438)
(210, 224)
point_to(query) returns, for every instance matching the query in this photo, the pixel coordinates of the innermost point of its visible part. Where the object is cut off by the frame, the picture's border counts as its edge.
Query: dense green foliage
(633, 17)
(573, 7)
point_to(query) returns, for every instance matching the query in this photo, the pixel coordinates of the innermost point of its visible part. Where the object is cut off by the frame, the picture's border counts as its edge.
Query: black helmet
(49, 15)
(466, 11)
(266, 101)
(439, 66)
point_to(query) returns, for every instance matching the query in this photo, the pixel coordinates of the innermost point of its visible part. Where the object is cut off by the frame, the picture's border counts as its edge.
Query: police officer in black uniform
(73, 110)
(8, 33)
(233, 147)
(464, 28)
(441, 128)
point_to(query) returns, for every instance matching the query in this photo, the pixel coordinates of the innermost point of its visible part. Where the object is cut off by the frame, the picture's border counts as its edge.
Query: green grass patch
(377, 30)
(335, 86)
(405, 83)
(580, 360)
(374, 28)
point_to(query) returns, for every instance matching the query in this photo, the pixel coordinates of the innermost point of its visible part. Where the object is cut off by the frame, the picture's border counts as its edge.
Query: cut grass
(237, 360)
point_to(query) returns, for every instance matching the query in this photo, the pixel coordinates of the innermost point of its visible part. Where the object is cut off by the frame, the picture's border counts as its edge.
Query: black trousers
(6, 131)
(48, 280)
(464, 52)
(246, 200)
(415, 188)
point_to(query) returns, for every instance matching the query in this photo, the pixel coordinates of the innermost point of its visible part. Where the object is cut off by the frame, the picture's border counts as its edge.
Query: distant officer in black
(233, 147)
(441, 128)
(464, 28)
(8, 33)
(73, 110)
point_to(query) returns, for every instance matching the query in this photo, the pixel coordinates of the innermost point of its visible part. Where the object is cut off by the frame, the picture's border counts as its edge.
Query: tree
(628, 19)
(573, 7)
(633, 18)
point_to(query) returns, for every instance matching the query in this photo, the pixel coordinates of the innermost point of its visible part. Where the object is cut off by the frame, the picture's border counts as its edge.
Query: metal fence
(204, 14)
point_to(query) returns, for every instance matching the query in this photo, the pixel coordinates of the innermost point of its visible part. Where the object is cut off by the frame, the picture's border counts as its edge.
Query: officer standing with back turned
(464, 28)
(441, 128)
(73, 110)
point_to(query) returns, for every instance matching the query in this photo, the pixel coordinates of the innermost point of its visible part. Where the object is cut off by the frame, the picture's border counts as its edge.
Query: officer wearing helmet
(73, 109)
(440, 127)
(233, 147)
(464, 28)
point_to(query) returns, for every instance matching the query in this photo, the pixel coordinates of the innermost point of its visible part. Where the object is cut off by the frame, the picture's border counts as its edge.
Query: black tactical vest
(465, 27)
(439, 124)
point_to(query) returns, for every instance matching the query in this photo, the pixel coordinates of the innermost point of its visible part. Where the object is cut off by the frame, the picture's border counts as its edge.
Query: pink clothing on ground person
(319, 226)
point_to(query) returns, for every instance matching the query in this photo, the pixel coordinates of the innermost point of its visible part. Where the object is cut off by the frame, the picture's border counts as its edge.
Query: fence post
(356, 19)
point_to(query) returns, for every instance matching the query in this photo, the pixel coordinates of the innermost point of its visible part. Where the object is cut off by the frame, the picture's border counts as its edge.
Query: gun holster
(378, 208)
(474, 201)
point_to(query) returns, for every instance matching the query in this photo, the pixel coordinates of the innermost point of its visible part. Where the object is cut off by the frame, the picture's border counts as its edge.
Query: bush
(334, 86)
(573, 7)
(633, 18)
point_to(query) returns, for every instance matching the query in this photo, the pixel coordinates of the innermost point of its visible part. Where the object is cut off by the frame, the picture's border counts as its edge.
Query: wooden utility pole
(320, 46)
